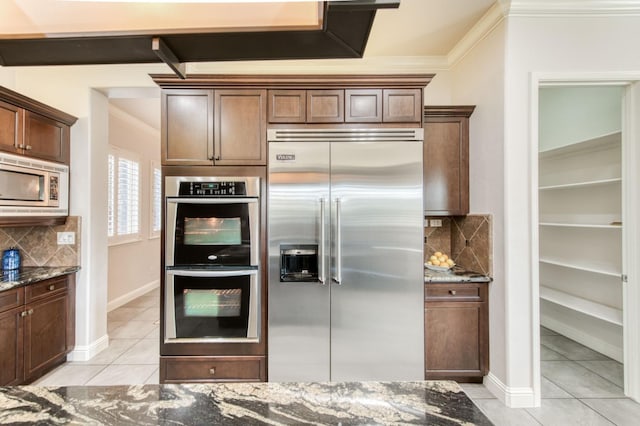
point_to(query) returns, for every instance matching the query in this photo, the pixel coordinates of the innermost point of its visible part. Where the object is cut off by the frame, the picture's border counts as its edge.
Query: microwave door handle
(338, 258)
(321, 256)
(211, 274)
(226, 200)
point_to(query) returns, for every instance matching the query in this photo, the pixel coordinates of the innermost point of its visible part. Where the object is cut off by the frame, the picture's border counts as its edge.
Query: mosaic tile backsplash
(467, 239)
(38, 245)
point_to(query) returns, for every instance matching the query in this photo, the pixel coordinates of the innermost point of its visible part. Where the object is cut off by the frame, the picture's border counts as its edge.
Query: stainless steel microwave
(30, 187)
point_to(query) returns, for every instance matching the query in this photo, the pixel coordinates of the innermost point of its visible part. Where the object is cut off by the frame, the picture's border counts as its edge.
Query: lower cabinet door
(11, 372)
(45, 334)
(212, 369)
(452, 340)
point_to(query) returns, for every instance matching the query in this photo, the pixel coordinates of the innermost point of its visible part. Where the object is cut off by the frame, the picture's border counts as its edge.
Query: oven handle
(226, 200)
(211, 274)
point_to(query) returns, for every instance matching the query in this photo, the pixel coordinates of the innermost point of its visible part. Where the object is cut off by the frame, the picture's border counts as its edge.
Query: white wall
(134, 268)
(477, 79)
(575, 47)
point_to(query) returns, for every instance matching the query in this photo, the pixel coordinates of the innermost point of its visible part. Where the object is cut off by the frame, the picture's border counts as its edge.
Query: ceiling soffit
(344, 34)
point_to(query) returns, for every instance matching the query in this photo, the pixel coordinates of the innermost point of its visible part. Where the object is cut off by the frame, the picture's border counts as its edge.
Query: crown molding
(573, 7)
(478, 32)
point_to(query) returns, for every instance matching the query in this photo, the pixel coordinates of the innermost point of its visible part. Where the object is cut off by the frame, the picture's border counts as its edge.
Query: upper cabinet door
(402, 105)
(240, 127)
(325, 106)
(11, 118)
(287, 106)
(446, 160)
(187, 127)
(45, 138)
(363, 106)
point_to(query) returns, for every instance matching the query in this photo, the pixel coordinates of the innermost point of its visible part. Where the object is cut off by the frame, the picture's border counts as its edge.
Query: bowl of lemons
(439, 261)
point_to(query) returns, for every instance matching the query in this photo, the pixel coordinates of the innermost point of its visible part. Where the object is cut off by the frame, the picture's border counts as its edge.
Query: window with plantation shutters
(124, 196)
(156, 200)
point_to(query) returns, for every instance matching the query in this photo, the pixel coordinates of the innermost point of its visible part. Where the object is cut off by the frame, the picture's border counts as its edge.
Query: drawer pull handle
(452, 292)
(28, 147)
(30, 311)
(212, 371)
(23, 314)
(52, 287)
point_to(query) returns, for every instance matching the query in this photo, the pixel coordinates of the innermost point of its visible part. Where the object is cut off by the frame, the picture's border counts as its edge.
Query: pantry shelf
(580, 267)
(579, 304)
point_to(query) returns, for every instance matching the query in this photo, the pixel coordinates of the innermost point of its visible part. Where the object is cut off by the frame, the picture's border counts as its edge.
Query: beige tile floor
(132, 355)
(579, 386)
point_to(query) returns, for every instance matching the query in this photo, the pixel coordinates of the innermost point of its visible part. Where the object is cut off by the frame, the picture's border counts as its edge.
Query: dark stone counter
(31, 274)
(356, 403)
(455, 274)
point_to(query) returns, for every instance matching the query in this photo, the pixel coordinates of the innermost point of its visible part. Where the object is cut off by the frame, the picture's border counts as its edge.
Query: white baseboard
(126, 298)
(510, 396)
(588, 340)
(85, 353)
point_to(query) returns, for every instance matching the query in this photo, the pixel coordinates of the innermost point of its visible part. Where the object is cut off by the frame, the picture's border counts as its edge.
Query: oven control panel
(208, 189)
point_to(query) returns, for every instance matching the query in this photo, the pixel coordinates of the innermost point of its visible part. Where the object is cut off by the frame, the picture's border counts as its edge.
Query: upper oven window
(211, 233)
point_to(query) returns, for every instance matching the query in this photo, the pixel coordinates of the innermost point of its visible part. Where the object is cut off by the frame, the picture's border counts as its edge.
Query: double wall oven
(212, 259)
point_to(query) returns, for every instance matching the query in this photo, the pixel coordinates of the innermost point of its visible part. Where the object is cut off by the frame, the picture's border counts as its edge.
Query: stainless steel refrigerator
(345, 237)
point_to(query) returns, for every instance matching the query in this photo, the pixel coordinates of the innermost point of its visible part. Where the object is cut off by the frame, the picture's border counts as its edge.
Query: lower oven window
(208, 307)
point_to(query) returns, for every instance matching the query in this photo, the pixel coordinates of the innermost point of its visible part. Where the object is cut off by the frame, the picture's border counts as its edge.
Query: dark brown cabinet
(456, 320)
(214, 127)
(357, 105)
(30, 128)
(212, 369)
(240, 127)
(363, 106)
(37, 329)
(446, 160)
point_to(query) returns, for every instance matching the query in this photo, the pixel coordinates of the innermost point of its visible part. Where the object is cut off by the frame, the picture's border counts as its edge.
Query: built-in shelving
(580, 267)
(582, 305)
(580, 225)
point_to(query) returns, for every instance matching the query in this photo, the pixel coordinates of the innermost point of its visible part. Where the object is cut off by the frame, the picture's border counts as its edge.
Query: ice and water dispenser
(298, 262)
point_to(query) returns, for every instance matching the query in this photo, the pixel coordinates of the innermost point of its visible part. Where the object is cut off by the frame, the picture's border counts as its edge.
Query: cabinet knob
(30, 311)
(52, 287)
(217, 158)
(212, 371)
(452, 292)
(28, 147)
(23, 314)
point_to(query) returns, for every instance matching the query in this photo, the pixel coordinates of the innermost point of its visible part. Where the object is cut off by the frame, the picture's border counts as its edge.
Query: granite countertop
(456, 274)
(31, 274)
(351, 403)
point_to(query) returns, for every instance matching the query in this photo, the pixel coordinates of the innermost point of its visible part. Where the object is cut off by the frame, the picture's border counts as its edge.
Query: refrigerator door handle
(321, 255)
(338, 242)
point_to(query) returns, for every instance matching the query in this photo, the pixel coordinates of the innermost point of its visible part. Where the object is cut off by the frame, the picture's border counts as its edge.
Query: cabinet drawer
(453, 293)
(11, 299)
(212, 369)
(46, 288)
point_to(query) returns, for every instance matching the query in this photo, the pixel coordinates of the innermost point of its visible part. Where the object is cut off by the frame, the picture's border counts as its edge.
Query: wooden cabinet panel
(45, 289)
(287, 106)
(187, 127)
(446, 160)
(45, 338)
(240, 127)
(212, 369)
(11, 135)
(11, 344)
(402, 105)
(456, 331)
(37, 328)
(363, 106)
(325, 106)
(46, 138)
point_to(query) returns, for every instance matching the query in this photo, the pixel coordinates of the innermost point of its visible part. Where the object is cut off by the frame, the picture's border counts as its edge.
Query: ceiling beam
(167, 56)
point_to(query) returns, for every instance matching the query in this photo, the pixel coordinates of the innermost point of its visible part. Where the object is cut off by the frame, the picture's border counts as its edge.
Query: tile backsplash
(39, 244)
(467, 239)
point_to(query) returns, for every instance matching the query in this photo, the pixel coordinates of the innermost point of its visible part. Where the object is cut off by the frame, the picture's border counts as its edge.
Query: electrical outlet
(66, 238)
(435, 223)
